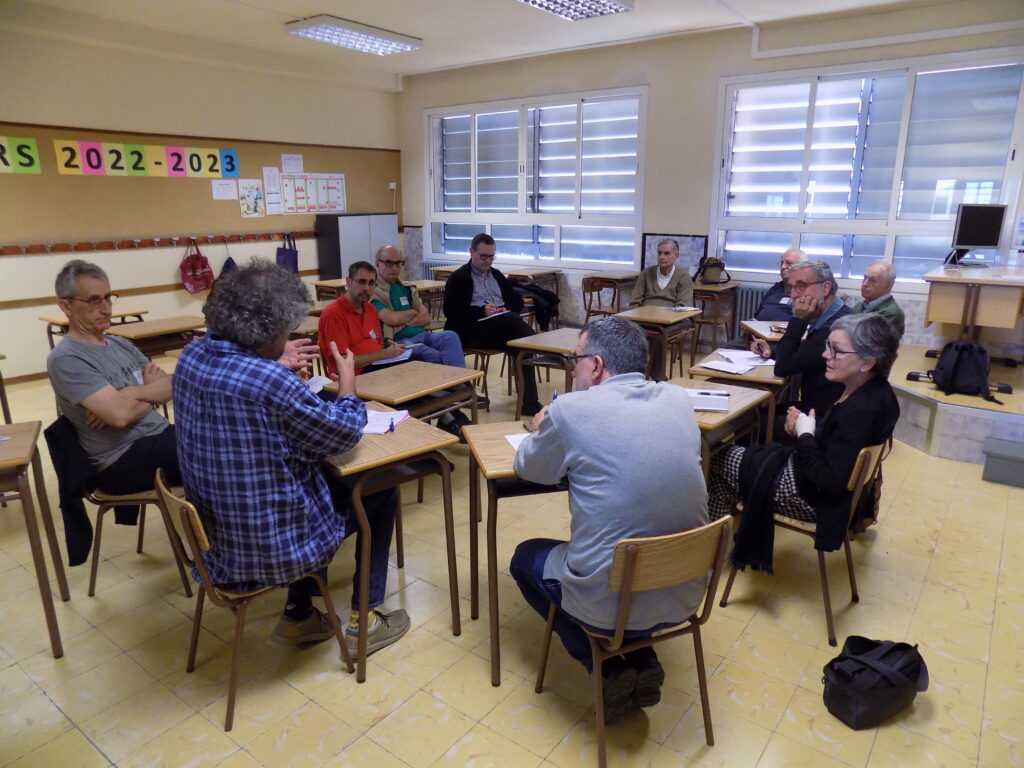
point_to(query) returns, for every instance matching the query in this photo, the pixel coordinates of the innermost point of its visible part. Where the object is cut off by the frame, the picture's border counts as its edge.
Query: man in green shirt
(404, 316)
(876, 290)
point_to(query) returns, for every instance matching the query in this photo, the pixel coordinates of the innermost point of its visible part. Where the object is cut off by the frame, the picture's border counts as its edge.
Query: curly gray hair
(257, 304)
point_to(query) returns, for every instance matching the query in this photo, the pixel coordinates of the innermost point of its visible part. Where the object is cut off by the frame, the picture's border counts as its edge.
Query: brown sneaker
(388, 628)
(312, 629)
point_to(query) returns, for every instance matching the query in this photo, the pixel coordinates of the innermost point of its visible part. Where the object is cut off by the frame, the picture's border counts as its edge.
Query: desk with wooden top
(720, 427)
(760, 377)
(762, 329)
(319, 306)
(974, 297)
(718, 301)
(17, 452)
(154, 337)
(556, 344)
(57, 325)
(329, 289)
(669, 325)
(491, 455)
(384, 461)
(399, 385)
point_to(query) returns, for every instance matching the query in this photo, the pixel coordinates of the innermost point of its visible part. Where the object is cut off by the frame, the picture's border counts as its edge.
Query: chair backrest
(865, 469)
(194, 532)
(639, 565)
(591, 286)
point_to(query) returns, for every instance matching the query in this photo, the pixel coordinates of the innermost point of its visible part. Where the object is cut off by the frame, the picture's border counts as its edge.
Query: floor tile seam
(192, 710)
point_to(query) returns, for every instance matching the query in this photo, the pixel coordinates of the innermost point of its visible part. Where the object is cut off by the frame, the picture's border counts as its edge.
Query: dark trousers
(135, 468)
(527, 568)
(495, 334)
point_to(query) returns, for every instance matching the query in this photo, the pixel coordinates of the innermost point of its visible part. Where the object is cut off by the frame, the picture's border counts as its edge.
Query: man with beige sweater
(663, 285)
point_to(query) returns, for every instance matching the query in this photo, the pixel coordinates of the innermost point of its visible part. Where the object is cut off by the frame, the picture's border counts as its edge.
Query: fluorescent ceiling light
(574, 10)
(349, 34)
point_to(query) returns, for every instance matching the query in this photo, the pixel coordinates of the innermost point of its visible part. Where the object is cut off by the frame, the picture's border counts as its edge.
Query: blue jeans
(527, 568)
(441, 347)
(381, 509)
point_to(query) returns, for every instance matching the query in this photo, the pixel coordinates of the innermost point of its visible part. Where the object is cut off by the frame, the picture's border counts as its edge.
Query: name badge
(785, 300)
(404, 301)
(373, 334)
(138, 377)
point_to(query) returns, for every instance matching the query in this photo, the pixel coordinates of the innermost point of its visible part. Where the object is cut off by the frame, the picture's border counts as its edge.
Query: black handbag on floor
(872, 680)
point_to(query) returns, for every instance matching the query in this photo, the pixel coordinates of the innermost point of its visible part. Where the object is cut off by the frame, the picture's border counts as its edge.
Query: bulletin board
(48, 206)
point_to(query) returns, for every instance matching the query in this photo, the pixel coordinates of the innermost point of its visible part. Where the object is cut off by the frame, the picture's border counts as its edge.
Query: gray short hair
(257, 304)
(64, 286)
(675, 243)
(821, 270)
(871, 335)
(888, 271)
(621, 343)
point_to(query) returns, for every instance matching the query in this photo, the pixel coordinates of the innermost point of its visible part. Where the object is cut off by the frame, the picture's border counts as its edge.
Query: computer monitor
(977, 226)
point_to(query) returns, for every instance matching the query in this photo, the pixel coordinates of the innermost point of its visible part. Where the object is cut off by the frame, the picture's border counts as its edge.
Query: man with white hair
(876, 290)
(663, 285)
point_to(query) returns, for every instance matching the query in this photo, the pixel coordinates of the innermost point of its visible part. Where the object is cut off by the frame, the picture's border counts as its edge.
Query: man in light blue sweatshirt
(629, 450)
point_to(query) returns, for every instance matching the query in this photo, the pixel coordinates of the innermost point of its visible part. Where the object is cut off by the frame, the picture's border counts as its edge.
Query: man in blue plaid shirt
(251, 441)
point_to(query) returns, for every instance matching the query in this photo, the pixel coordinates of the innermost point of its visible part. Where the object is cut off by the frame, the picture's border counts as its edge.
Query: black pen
(715, 394)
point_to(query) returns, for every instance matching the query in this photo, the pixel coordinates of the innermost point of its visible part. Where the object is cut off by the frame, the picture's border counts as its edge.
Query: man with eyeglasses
(404, 315)
(629, 450)
(663, 285)
(108, 389)
(815, 307)
(483, 309)
(876, 291)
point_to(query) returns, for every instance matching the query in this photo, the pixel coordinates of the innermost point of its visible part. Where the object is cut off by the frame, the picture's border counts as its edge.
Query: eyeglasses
(800, 285)
(833, 352)
(573, 359)
(389, 263)
(485, 256)
(96, 301)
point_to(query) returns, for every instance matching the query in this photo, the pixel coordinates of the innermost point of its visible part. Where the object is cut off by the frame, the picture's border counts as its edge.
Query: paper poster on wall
(93, 158)
(224, 189)
(250, 198)
(272, 189)
(19, 155)
(313, 192)
(291, 164)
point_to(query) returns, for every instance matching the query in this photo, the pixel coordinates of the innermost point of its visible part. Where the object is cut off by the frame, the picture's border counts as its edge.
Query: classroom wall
(682, 74)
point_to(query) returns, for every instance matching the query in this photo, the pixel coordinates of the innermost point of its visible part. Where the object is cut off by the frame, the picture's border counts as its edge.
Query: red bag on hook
(196, 272)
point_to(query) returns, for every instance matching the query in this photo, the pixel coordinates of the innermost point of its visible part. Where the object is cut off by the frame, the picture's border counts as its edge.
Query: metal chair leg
(102, 510)
(142, 528)
(545, 648)
(826, 598)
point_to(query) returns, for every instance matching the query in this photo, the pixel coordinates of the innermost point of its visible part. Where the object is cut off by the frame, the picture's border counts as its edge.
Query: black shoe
(482, 402)
(650, 676)
(531, 408)
(452, 427)
(460, 418)
(618, 684)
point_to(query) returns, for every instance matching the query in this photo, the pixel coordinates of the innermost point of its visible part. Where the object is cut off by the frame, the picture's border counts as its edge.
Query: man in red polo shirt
(352, 321)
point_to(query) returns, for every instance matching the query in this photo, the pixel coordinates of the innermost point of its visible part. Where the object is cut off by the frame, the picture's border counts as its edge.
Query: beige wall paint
(67, 83)
(682, 75)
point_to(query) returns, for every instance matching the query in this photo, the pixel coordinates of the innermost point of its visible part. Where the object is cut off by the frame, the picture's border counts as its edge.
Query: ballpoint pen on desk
(391, 426)
(714, 394)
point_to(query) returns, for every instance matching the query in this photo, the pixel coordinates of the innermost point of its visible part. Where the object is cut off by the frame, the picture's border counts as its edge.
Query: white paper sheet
(316, 383)
(380, 422)
(516, 440)
(224, 189)
(708, 399)
(721, 365)
(744, 357)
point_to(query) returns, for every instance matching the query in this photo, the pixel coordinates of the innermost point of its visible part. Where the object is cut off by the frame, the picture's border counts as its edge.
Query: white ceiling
(455, 32)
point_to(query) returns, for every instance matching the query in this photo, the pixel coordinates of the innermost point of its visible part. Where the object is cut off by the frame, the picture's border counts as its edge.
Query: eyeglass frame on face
(485, 256)
(801, 286)
(574, 359)
(95, 302)
(835, 353)
(389, 263)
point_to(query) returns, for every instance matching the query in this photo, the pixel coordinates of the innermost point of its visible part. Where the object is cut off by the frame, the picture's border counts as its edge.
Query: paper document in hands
(379, 422)
(743, 357)
(396, 359)
(496, 314)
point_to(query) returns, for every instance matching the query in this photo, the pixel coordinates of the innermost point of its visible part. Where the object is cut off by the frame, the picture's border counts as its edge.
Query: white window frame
(522, 217)
(892, 227)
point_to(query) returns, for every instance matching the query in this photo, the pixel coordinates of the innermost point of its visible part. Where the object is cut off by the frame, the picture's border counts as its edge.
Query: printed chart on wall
(313, 192)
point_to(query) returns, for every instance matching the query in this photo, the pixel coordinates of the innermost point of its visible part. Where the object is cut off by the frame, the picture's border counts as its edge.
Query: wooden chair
(236, 602)
(592, 288)
(482, 362)
(639, 565)
(107, 501)
(864, 471)
(716, 312)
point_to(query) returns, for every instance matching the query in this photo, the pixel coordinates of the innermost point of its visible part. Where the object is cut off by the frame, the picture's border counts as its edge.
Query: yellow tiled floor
(943, 569)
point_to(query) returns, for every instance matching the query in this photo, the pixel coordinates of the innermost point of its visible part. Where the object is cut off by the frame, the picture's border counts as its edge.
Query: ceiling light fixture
(574, 10)
(349, 34)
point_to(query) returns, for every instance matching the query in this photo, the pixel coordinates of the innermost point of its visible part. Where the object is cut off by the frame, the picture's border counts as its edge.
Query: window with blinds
(554, 180)
(855, 168)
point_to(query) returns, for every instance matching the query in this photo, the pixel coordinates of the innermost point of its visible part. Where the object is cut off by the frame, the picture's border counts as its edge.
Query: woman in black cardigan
(809, 483)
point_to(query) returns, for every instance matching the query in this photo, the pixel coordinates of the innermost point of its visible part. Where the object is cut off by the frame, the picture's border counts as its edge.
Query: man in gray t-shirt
(108, 389)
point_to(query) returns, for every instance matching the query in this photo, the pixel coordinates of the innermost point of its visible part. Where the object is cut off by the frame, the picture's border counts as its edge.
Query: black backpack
(962, 369)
